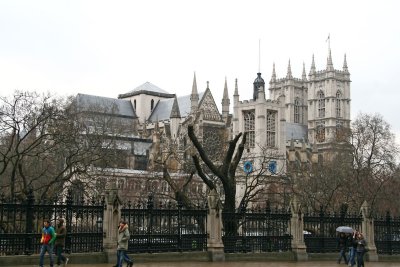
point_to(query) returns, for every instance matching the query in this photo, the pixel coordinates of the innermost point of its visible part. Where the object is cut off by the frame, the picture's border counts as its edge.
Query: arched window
(321, 104)
(320, 132)
(271, 128)
(297, 110)
(249, 127)
(338, 104)
(152, 105)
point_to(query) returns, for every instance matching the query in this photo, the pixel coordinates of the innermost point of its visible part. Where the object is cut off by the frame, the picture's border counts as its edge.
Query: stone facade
(299, 120)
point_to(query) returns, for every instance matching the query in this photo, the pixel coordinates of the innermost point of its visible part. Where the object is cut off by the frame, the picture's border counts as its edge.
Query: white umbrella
(344, 229)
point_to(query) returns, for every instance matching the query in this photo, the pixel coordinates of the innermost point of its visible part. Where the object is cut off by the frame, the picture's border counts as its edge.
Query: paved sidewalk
(236, 264)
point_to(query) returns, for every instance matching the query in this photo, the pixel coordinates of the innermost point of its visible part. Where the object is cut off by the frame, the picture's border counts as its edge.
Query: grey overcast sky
(110, 47)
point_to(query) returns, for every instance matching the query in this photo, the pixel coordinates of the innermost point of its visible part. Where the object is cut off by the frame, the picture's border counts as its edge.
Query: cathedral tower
(328, 103)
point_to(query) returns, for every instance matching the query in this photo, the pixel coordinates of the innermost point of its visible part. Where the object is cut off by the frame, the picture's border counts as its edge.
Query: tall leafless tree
(45, 141)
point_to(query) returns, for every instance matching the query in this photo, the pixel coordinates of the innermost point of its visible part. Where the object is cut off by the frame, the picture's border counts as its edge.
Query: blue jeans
(43, 249)
(122, 256)
(60, 256)
(352, 256)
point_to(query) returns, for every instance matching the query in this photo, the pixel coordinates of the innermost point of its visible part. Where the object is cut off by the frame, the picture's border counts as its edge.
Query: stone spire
(175, 118)
(225, 102)
(194, 97)
(236, 88)
(236, 94)
(225, 96)
(175, 113)
(345, 69)
(289, 71)
(329, 64)
(304, 76)
(273, 76)
(312, 70)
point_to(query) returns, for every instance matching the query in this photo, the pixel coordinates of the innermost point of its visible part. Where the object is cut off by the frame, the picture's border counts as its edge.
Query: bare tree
(375, 154)
(169, 156)
(360, 166)
(323, 184)
(45, 142)
(225, 172)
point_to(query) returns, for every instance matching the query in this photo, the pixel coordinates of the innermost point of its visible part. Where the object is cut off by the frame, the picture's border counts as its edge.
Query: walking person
(352, 243)
(61, 233)
(47, 241)
(361, 244)
(123, 238)
(342, 245)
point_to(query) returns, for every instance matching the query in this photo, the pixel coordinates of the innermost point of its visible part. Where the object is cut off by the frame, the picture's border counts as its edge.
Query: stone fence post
(215, 246)
(112, 215)
(297, 227)
(367, 227)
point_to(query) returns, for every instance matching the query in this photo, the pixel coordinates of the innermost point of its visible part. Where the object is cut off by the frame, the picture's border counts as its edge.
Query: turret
(329, 64)
(225, 103)
(273, 76)
(289, 72)
(345, 68)
(258, 82)
(236, 93)
(175, 118)
(304, 76)
(312, 69)
(235, 126)
(194, 97)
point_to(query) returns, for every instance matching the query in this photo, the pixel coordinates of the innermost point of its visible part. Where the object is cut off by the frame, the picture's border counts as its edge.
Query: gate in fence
(165, 227)
(21, 224)
(257, 230)
(387, 234)
(320, 234)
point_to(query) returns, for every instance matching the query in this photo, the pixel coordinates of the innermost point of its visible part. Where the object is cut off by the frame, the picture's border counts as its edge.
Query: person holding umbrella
(342, 245)
(343, 241)
(352, 243)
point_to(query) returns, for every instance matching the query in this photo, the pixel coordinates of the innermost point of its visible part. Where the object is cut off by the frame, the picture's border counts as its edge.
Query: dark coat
(342, 241)
(60, 236)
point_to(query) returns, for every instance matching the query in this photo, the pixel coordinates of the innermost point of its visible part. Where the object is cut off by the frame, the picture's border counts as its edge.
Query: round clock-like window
(248, 167)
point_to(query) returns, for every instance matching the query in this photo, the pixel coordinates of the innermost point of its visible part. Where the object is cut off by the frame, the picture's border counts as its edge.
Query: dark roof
(162, 110)
(148, 89)
(107, 105)
(259, 79)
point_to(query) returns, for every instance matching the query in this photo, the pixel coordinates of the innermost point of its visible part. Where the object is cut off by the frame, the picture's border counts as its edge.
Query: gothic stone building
(307, 113)
(304, 114)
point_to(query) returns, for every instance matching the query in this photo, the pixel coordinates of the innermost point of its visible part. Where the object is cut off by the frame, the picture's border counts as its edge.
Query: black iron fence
(169, 227)
(387, 234)
(320, 234)
(257, 230)
(165, 227)
(21, 224)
